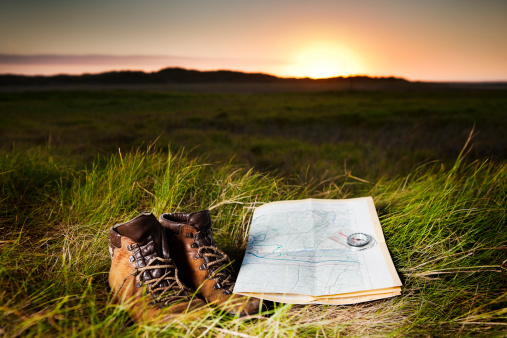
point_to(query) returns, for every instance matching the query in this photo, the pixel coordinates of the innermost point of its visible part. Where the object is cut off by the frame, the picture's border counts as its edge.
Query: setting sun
(323, 61)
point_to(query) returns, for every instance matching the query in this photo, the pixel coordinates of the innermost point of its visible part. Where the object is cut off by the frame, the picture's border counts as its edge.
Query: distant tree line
(167, 76)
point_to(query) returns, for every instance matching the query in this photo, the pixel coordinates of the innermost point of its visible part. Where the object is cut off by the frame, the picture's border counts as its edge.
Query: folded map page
(317, 252)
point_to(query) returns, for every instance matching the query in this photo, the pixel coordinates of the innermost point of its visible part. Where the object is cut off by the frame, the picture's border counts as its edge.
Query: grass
(445, 230)
(301, 135)
(444, 221)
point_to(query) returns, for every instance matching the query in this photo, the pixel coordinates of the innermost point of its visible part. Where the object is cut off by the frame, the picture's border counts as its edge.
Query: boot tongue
(204, 237)
(202, 222)
(139, 228)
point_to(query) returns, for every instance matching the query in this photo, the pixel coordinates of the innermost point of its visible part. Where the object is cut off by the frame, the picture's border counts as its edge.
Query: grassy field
(72, 164)
(370, 134)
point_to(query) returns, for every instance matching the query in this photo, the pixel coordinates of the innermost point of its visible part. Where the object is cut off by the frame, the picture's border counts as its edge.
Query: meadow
(74, 163)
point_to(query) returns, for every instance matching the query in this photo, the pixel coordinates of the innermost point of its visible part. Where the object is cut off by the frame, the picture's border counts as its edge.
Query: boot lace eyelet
(227, 292)
(131, 259)
(189, 235)
(202, 267)
(217, 286)
(197, 256)
(193, 245)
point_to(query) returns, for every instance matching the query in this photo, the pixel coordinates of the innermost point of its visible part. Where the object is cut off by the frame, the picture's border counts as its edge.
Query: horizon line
(147, 64)
(276, 76)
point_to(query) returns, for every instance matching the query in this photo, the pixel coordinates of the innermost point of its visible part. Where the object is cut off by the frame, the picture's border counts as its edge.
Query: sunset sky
(435, 40)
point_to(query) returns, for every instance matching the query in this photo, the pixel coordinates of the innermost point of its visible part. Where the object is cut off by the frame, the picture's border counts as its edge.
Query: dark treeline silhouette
(170, 76)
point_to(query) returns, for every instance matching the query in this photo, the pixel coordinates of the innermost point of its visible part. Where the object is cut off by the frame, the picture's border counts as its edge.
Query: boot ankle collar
(200, 220)
(138, 228)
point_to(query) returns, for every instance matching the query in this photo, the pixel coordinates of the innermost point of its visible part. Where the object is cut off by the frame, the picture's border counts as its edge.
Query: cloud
(93, 59)
(99, 59)
(49, 64)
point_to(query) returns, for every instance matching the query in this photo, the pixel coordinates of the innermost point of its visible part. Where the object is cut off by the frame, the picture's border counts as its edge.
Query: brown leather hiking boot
(202, 265)
(143, 277)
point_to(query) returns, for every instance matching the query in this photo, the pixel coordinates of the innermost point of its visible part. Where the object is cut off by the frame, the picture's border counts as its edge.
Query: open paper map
(317, 252)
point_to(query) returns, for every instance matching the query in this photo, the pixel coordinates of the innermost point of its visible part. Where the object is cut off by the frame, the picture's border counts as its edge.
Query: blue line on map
(300, 260)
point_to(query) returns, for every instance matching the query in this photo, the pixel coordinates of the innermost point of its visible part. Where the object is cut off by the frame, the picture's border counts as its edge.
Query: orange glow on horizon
(323, 60)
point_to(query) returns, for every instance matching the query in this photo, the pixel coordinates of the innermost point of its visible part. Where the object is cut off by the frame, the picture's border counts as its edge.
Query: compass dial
(358, 239)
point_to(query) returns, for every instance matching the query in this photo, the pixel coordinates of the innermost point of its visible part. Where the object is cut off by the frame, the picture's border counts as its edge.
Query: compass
(358, 240)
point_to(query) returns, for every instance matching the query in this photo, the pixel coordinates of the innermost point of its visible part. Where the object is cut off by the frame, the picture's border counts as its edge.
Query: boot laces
(219, 266)
(173, 291)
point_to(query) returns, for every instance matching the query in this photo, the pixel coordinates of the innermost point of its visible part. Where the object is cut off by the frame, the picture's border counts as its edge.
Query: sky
(428, 40)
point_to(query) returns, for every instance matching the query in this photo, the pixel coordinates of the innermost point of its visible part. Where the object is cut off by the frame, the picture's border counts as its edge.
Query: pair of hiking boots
(157, 265)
